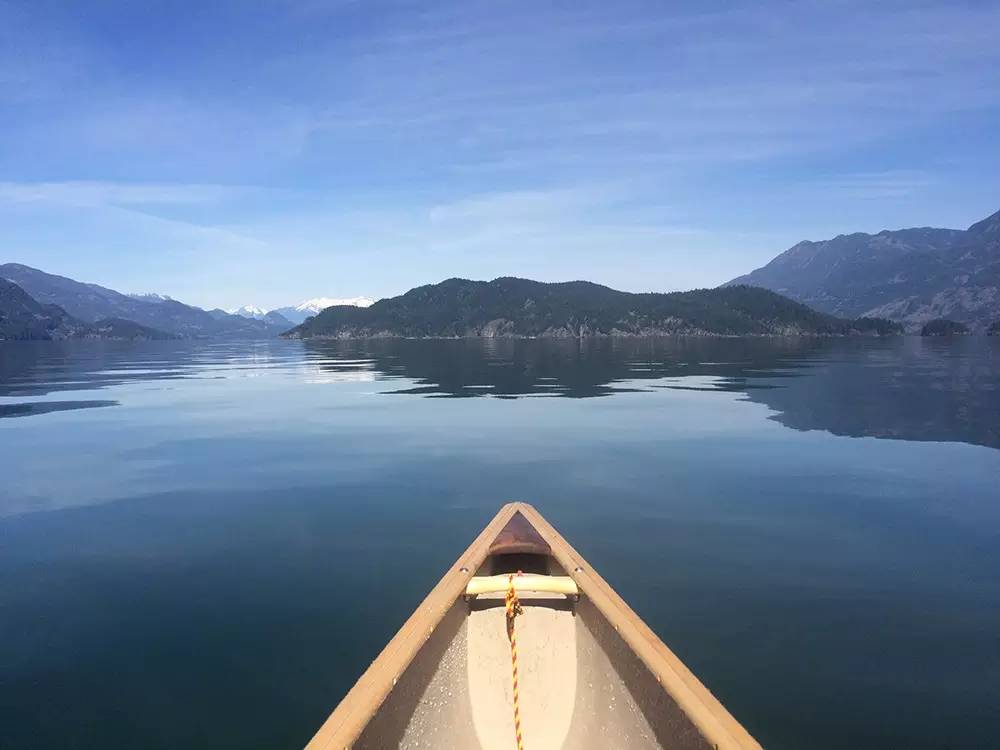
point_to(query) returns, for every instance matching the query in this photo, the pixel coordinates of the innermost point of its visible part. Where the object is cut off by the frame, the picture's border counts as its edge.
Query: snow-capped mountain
(298, 313)
(310, 307)
(321, 303)
(151, 297)
(248, 311)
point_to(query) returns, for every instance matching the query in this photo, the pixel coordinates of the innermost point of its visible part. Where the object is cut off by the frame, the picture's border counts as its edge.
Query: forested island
(512, 307)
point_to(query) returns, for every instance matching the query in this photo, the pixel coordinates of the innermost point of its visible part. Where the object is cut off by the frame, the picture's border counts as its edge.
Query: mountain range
(851, 283)
(153, 313)
(24, 318)
(272, 318)
(520, 307)
(908, 275)
(91, 302)
(299, 313)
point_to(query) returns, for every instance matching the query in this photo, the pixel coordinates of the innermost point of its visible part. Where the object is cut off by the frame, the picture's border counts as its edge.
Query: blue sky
(267, 151)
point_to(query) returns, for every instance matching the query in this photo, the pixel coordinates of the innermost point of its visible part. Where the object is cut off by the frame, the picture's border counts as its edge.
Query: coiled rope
(513, 610)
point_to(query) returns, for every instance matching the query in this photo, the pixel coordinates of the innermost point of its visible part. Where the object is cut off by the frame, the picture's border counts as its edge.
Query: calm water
(202, 546)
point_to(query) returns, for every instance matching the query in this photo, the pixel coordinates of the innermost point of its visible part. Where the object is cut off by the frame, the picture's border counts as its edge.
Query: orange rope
(513, 610)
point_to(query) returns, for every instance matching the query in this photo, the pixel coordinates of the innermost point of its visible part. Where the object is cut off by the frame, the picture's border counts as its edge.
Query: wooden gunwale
(714, 722)
(354, 712)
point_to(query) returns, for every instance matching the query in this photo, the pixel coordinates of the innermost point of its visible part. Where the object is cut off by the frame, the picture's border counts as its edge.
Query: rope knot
(513, 604)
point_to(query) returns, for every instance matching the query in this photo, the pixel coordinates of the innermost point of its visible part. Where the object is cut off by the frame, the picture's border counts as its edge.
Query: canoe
(589, 673)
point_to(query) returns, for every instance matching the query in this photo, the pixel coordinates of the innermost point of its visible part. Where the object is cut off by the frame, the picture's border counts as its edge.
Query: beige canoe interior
(591, 674)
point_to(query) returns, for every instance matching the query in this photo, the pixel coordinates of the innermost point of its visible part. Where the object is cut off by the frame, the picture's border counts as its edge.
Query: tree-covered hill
(520, 307)
(127, 330)
(21, 317)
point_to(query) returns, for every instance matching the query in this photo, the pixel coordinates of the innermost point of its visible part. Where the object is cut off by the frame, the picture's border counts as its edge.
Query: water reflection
(914, 389)
(506, 368)
(181, 543)
(32, 369)
(907, 389)
(903, 388)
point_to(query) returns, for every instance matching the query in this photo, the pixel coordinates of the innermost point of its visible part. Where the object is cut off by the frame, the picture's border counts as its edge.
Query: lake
(204, 545)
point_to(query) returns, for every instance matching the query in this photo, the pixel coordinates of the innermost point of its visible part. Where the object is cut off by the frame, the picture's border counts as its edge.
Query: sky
(267, 151)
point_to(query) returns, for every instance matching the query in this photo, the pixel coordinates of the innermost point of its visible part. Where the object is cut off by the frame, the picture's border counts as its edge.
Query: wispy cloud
(379, 144)
(890, 184)
(519, 206)
(738, 84)
(671, 84)
(99, 193)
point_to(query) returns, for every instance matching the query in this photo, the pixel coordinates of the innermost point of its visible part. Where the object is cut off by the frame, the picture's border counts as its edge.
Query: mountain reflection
(573, 368)
(37, 368)
(900, 388)
(48, 407)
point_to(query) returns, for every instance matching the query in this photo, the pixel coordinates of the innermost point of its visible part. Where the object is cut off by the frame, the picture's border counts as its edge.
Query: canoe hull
(592, 675)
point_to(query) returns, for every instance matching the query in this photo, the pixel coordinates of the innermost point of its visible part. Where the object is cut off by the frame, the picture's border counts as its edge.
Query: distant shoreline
(516, 337)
